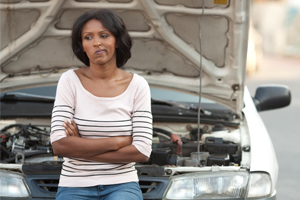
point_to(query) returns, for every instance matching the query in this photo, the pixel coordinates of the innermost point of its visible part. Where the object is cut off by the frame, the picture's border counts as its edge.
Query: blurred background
(274, 58)
(274, 31)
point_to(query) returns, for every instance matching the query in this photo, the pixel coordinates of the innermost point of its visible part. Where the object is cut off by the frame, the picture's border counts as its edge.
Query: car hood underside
(166, 50)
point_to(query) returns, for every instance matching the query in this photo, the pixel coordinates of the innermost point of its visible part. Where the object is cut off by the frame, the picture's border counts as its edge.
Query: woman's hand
(71, 128)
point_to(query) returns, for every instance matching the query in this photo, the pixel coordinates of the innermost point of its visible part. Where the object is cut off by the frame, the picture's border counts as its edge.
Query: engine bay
(173, 145)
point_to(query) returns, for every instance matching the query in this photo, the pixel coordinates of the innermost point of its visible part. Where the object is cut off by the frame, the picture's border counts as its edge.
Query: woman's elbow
(57, 148)
(142, 158)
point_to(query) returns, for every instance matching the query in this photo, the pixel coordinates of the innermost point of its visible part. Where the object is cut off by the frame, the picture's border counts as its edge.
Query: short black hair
(114, 24)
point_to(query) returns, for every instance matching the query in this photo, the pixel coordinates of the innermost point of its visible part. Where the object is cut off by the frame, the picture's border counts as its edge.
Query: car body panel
(263, 156)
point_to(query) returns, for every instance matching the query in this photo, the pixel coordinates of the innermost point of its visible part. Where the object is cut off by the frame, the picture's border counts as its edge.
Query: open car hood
(35, 41)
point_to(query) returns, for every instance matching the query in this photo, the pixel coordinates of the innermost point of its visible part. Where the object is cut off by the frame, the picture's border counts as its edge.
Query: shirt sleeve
(64, 107)
(142, 119)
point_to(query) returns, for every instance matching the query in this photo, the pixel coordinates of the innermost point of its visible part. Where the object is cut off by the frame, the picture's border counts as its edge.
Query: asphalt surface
(283, 124)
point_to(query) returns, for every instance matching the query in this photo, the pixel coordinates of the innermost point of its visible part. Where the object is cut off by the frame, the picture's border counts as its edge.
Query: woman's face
(98, 43)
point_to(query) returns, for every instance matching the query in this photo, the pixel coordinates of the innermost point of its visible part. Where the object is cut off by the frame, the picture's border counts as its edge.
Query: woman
(101, 120)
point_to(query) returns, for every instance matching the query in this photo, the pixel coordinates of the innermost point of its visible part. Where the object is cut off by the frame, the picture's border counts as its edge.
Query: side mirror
(272, 97)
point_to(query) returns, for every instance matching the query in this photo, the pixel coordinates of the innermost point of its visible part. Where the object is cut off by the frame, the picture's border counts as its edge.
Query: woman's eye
(88, 37)
(104, 36)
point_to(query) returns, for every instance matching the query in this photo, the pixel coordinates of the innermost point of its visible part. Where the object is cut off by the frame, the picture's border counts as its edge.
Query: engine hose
(26, 155)
(175, 138)
(11, 126)
(5, 150)
(168, 133)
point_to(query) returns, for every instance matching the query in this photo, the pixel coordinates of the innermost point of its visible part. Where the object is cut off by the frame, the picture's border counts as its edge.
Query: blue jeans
(124, 191)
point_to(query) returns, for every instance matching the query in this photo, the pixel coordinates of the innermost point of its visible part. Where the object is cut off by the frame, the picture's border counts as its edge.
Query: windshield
(166, 105)
(169, 95)
(47, 91)
(156, 93)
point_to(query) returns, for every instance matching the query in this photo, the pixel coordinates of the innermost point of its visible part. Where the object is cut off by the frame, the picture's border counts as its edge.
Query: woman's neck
(103, 72)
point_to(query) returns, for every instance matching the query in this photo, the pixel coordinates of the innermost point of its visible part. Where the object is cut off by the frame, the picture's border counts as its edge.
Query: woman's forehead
(93, 25)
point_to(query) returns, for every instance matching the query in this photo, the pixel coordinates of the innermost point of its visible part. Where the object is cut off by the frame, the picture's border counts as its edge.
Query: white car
(219, 150)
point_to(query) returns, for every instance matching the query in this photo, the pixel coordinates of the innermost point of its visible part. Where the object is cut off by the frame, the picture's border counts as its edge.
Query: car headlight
(12, 185)
(221, 185)
(260, 185)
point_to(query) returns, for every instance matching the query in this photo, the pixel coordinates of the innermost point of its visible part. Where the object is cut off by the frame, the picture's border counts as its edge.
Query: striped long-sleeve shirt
(100, 117)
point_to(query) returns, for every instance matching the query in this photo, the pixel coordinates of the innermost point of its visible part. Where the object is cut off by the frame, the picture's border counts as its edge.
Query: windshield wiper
(214, 115)
(18, 96)
(180, 105)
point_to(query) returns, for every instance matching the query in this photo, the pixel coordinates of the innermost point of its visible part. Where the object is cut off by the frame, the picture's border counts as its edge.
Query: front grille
(153, 187)
(42, 186)
(48, 185)
(45, 186)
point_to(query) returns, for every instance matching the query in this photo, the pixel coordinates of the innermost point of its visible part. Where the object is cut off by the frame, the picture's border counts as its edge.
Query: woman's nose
(97, 44)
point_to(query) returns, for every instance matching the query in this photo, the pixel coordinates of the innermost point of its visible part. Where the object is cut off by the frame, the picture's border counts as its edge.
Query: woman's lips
(99, 52)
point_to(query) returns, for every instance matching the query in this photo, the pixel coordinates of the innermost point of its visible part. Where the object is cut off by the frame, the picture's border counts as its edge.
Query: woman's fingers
(65, 124)
(71, 128)
(74, 124)
(67, 132)
(75, 128)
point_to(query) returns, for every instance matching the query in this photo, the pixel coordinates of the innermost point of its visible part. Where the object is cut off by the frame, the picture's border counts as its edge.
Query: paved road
(283, 124)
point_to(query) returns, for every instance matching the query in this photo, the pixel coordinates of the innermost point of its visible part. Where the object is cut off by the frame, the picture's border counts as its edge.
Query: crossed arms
(111, 150)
